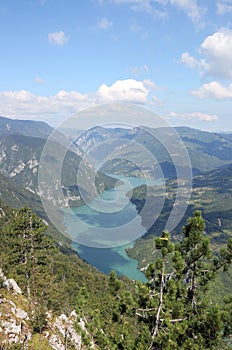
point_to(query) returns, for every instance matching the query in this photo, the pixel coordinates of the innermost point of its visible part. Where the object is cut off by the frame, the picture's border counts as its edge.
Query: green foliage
(38, 343)
(38, 318)
(179, 311)
(173, 310)
(114, 283)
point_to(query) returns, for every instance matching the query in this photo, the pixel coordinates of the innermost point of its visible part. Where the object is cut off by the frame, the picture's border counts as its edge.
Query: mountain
(14, 196)
(123, 149)
(20, 158)
(24, 127)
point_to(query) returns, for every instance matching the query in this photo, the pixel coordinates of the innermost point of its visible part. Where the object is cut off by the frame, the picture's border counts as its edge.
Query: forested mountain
(24, 127)
(211, 193)
(206, 150)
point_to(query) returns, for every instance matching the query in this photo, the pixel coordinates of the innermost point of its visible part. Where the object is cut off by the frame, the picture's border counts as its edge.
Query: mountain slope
(211, 193)
(20, 158)
(24, 127)
(207, 150)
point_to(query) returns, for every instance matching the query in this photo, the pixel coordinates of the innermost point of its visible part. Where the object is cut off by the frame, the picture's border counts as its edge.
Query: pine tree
(26, 252)
(179, 312)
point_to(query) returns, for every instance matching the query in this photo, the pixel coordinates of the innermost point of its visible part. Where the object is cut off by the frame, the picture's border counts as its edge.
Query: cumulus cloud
(57, 38)
(104, 23)
(192, 62)
(217, 49)
(213, 90)
(194, 116)
(26, 105)
(129, 90)
(216, 52)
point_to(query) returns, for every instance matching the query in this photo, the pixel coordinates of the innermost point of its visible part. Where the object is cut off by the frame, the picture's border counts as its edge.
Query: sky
(173, 57)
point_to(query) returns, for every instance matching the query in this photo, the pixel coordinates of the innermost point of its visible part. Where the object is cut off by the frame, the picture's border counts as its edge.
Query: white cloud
(216, 52)
(128, 90)
(217, 49)
(192, 62)
(104, 23)
(194, 116)
(57, 38)
(26, 105)
(213, 90)
(224, 7)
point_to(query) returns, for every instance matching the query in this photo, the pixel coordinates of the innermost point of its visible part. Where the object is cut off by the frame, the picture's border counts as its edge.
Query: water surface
(109, 258)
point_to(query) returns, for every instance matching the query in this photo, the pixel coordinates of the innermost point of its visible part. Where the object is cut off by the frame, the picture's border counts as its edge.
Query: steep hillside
(20, 157)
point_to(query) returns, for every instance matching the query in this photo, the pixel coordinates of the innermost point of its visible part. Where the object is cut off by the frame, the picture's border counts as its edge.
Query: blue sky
(173, 57)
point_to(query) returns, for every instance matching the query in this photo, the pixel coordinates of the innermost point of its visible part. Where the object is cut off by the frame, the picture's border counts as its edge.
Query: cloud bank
(26, 105)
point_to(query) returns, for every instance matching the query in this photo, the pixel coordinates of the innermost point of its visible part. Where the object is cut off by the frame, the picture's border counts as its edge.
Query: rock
(10, 284)
(62, 329)
(21, 314)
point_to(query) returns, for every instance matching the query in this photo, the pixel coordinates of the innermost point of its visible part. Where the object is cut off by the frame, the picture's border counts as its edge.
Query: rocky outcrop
(16, 326)
(62, 331)
(9, 283)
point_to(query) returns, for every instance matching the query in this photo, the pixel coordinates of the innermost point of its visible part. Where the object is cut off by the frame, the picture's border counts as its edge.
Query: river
(112, 258)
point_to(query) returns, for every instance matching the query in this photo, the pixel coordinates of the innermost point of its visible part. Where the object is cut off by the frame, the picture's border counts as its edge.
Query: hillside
(24, 127)
(207, 150)
(211, 193)
(20, 158)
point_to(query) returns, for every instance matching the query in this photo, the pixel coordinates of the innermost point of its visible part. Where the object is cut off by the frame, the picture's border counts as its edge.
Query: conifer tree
(179, 311)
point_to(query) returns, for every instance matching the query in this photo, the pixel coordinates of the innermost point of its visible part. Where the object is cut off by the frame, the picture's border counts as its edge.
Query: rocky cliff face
(16, 326)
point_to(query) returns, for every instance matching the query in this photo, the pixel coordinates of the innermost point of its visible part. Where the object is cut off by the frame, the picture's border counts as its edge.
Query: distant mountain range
(207, 151)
